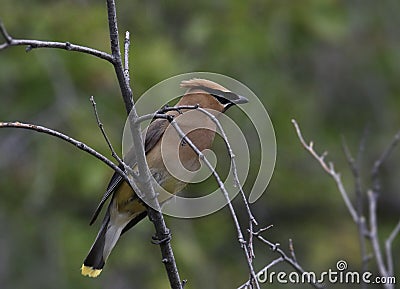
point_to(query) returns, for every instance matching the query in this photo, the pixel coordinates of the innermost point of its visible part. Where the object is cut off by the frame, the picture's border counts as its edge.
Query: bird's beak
(237, 100)
(240, 100)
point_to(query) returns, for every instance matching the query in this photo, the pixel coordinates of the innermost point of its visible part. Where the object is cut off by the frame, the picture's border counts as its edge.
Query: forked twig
(283, 258)
(329, 169)
(385, 269)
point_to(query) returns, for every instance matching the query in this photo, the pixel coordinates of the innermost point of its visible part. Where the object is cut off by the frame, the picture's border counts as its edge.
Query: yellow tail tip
(90, 271)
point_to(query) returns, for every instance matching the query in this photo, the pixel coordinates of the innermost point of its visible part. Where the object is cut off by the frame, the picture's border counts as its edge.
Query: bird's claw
(156, 240)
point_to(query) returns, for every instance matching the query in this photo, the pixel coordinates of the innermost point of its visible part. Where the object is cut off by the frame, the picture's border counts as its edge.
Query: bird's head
(208, 94)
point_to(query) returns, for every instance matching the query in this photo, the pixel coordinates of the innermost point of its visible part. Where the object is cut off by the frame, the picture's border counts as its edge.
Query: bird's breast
(198, 128)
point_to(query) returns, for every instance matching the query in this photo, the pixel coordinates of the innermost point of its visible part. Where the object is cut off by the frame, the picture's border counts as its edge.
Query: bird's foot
(157, 240)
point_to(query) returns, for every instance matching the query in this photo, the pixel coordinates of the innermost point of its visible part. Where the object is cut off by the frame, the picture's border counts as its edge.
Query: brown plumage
(162, 144)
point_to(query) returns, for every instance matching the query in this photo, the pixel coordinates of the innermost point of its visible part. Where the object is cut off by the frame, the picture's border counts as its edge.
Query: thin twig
(355, 169)
(372, 195)
(237, 183)
(128, 169)
(32, 44)
(161, 113)
(386, 270)
(291, 249)
(226, 196)
(178, 108)
(78, 144)
(5, 34)
(100, 124)
(379, 162)
(372, 198)
(328, 168)
(125, 88)
(361, 226)
(388, 246)
(262, 271)
(262, 230)
(233, 162)
(292, 261)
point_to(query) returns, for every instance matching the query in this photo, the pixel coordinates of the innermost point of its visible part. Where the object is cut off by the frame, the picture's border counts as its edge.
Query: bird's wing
(153, 134)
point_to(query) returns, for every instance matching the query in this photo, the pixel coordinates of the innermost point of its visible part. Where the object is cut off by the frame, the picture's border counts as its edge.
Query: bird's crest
(199, 82)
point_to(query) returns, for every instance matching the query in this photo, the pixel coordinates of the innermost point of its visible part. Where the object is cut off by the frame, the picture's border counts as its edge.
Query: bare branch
(221, 186)
(144, 184)
(262, 271)
(252, 220)
(292, 261)
(388, 245)
(378, 163)
(144, 181)
(161, 113)
(291, 248)
(385, 270)
(99, 123)
(329, 169)
(121, 163)
(125, 88)
(372, 197)
(361, 226)
(233, 162)
(66, 138)
(262, 230)
(355, 169)
(32, 44)
(6, 36)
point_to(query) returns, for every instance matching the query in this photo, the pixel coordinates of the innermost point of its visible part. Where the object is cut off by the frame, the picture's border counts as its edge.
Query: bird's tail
(101, 248)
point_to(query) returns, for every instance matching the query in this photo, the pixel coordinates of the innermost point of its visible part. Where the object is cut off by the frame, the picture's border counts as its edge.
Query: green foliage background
(333, 65)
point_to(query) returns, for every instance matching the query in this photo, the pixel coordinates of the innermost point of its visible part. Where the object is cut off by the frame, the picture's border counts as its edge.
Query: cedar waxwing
(126, 209)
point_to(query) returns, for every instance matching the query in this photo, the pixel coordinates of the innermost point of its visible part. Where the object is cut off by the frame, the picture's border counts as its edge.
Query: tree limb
(33, 44)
